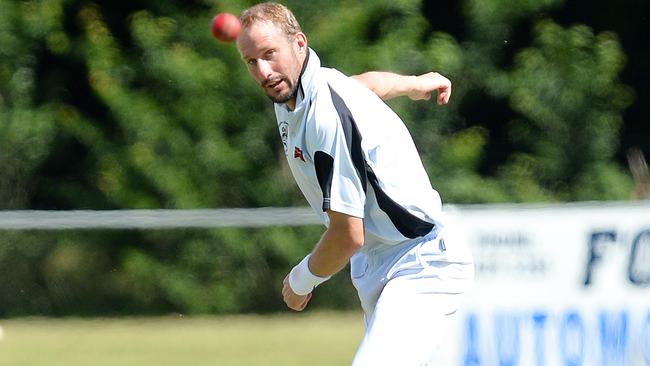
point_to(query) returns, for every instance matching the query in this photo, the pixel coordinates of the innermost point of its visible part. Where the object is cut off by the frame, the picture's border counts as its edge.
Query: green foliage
(565, 88)
(27, 128)
(116, 105)
(155, 271)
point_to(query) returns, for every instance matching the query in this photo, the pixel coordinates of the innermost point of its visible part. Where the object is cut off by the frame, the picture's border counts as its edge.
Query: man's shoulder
(329, 82)
(334, 79)
(335, 92)
(320, 101)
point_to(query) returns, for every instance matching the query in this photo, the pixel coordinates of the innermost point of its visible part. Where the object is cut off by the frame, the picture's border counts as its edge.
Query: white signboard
(557, 285)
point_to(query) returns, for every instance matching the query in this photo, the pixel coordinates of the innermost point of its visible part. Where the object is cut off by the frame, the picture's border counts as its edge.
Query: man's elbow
(370, 80)
(349, 239)
(347, 231)
(354, 235)
(356, 241)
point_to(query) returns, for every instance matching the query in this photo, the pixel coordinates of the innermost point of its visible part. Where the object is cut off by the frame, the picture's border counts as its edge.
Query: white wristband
(302, 281)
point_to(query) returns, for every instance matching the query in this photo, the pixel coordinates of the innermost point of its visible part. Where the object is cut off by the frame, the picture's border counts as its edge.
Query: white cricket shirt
(350, 153)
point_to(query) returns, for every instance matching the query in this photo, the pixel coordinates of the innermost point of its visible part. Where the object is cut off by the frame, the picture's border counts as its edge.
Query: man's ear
(301, 42)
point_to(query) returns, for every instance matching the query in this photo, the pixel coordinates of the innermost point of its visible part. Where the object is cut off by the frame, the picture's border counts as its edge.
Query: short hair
(275, 13)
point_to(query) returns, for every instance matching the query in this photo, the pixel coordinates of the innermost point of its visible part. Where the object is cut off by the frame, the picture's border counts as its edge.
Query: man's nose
(264, 68)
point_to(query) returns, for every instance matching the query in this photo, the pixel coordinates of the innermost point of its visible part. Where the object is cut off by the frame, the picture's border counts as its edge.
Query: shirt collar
(305, 85)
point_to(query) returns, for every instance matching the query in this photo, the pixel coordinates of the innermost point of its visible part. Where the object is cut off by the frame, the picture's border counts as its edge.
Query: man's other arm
(343, 237)
(388, 85)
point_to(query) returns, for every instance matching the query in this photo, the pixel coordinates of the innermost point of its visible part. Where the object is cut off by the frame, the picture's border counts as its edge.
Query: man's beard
(283, 98)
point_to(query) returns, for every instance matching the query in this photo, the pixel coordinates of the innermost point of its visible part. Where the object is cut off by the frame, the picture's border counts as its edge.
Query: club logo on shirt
(297, 153)
(284, 134)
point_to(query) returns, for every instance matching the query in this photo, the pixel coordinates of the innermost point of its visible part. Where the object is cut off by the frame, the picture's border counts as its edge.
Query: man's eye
(251, 62)
(269, 55)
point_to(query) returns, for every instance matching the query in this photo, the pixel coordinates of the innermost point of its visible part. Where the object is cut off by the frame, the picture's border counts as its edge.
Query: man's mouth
(272, 83)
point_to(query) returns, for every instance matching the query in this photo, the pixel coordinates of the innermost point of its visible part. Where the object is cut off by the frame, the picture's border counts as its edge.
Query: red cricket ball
(225, 27)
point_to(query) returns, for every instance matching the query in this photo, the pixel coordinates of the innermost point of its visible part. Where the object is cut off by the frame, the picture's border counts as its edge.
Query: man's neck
(291, 104)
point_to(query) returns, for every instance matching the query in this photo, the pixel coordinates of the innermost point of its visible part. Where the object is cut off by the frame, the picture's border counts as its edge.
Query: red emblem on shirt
(297, 153)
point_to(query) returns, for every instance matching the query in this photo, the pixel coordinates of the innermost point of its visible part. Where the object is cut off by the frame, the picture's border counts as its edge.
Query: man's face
(273, 60)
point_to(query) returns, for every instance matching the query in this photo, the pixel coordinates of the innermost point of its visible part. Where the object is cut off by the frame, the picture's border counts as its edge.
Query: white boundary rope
(152, 219)
(233, 217)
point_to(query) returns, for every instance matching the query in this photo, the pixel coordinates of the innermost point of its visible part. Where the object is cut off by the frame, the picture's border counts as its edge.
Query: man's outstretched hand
(426, 84)
(388, 85)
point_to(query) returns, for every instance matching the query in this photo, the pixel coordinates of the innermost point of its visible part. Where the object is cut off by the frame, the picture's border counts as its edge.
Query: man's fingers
(285, 287)
(444, 94)
(305, 302)
(448, 94)
(442, 98)
(293, 301)
(298, 303)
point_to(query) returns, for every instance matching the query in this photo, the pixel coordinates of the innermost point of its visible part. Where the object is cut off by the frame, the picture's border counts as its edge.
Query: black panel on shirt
(406, 223)
(352, 137)
(324, 165)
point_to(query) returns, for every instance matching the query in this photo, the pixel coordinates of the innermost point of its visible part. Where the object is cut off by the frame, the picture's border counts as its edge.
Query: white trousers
(409, 295)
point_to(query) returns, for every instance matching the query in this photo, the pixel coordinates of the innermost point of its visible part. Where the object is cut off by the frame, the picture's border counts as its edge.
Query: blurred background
(111, 105)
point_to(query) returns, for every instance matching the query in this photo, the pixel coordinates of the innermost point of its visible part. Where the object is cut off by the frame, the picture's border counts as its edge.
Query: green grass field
(315, 339)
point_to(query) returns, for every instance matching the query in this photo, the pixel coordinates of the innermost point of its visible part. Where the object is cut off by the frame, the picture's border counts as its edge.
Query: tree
(135, 105)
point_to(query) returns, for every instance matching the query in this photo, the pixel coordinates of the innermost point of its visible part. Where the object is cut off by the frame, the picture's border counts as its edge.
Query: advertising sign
(557, 285)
